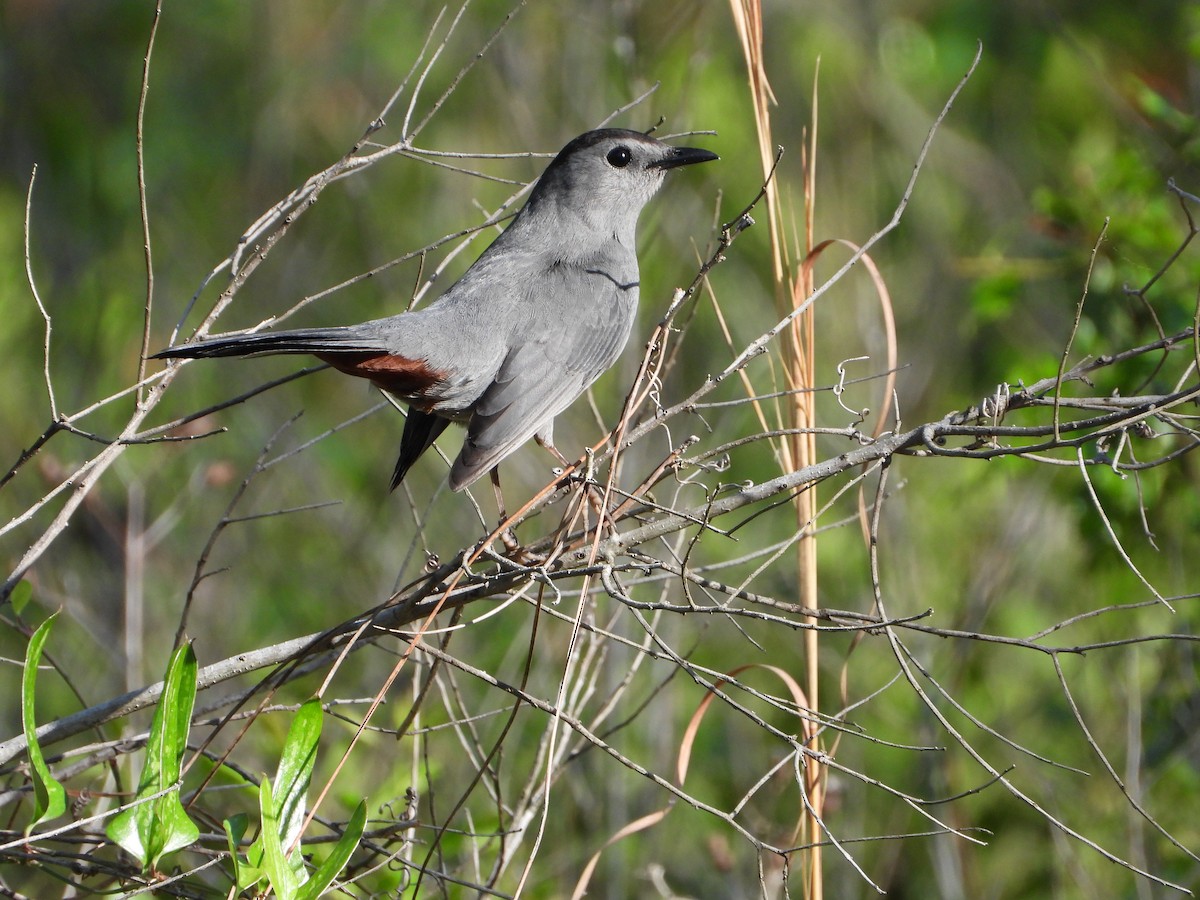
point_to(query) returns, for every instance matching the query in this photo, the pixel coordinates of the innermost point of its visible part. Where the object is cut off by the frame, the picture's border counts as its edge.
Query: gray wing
(573, 338)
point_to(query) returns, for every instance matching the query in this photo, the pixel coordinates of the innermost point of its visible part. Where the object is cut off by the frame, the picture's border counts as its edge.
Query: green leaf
(283, 878)
(295, 771)
(235, 829)
(20, 596)
(336, 860)
(247, 875)
(151, 828)
(292, 779)
(50, 798)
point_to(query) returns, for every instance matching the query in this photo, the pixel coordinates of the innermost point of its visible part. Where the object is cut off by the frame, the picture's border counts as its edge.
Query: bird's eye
(619, 157)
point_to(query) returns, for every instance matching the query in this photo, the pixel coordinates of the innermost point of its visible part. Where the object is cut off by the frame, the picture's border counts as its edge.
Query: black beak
(683, 156)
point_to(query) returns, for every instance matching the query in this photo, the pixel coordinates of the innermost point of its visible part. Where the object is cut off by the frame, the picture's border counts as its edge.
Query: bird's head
(601, 180)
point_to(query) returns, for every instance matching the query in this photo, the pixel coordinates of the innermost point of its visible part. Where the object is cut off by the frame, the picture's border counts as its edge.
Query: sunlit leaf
(336, 861)
(290, 791)
(283, 878)
(50, 798)
(295, 771)
(156, 823)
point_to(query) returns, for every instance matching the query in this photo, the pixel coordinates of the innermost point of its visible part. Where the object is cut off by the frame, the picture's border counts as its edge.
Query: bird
(543, 312)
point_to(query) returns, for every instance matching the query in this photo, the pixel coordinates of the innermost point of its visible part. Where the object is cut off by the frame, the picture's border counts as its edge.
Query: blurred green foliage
(1078, 115)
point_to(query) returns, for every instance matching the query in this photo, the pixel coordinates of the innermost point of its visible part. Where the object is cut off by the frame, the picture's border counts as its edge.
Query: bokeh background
(1078, 114)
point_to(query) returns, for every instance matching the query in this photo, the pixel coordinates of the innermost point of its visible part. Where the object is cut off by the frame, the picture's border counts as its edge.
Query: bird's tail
(421, 429)
(303, 340)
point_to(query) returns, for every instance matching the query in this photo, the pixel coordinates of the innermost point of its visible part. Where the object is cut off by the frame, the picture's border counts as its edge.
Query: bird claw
(527, 558)
(508, 538)
(516, 553)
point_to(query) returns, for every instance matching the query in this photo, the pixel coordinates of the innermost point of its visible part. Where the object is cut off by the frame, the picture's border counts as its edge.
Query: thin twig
(143, 206)
(38, 300)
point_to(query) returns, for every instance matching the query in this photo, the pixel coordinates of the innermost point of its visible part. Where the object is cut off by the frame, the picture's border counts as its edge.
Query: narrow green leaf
(248, 876)
(235, 827)
(50, 798)
(295, 771)
(154, 828)
(290, 793)
(337, 859)
(281, 875)
(20, 596)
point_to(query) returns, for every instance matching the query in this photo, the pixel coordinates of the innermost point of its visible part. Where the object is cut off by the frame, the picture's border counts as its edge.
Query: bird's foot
(515, 553)
(523, 556)
(508, 538)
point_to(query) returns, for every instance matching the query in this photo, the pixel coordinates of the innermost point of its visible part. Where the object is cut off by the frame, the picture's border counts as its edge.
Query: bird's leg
(507, 537)
(545, 439)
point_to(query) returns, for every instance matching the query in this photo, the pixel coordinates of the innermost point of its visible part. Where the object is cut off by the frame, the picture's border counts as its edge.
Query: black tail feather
(304, 340)
(420, 431)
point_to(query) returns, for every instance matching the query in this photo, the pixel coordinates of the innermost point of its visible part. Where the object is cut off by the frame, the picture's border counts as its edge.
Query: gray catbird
(539, 316)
